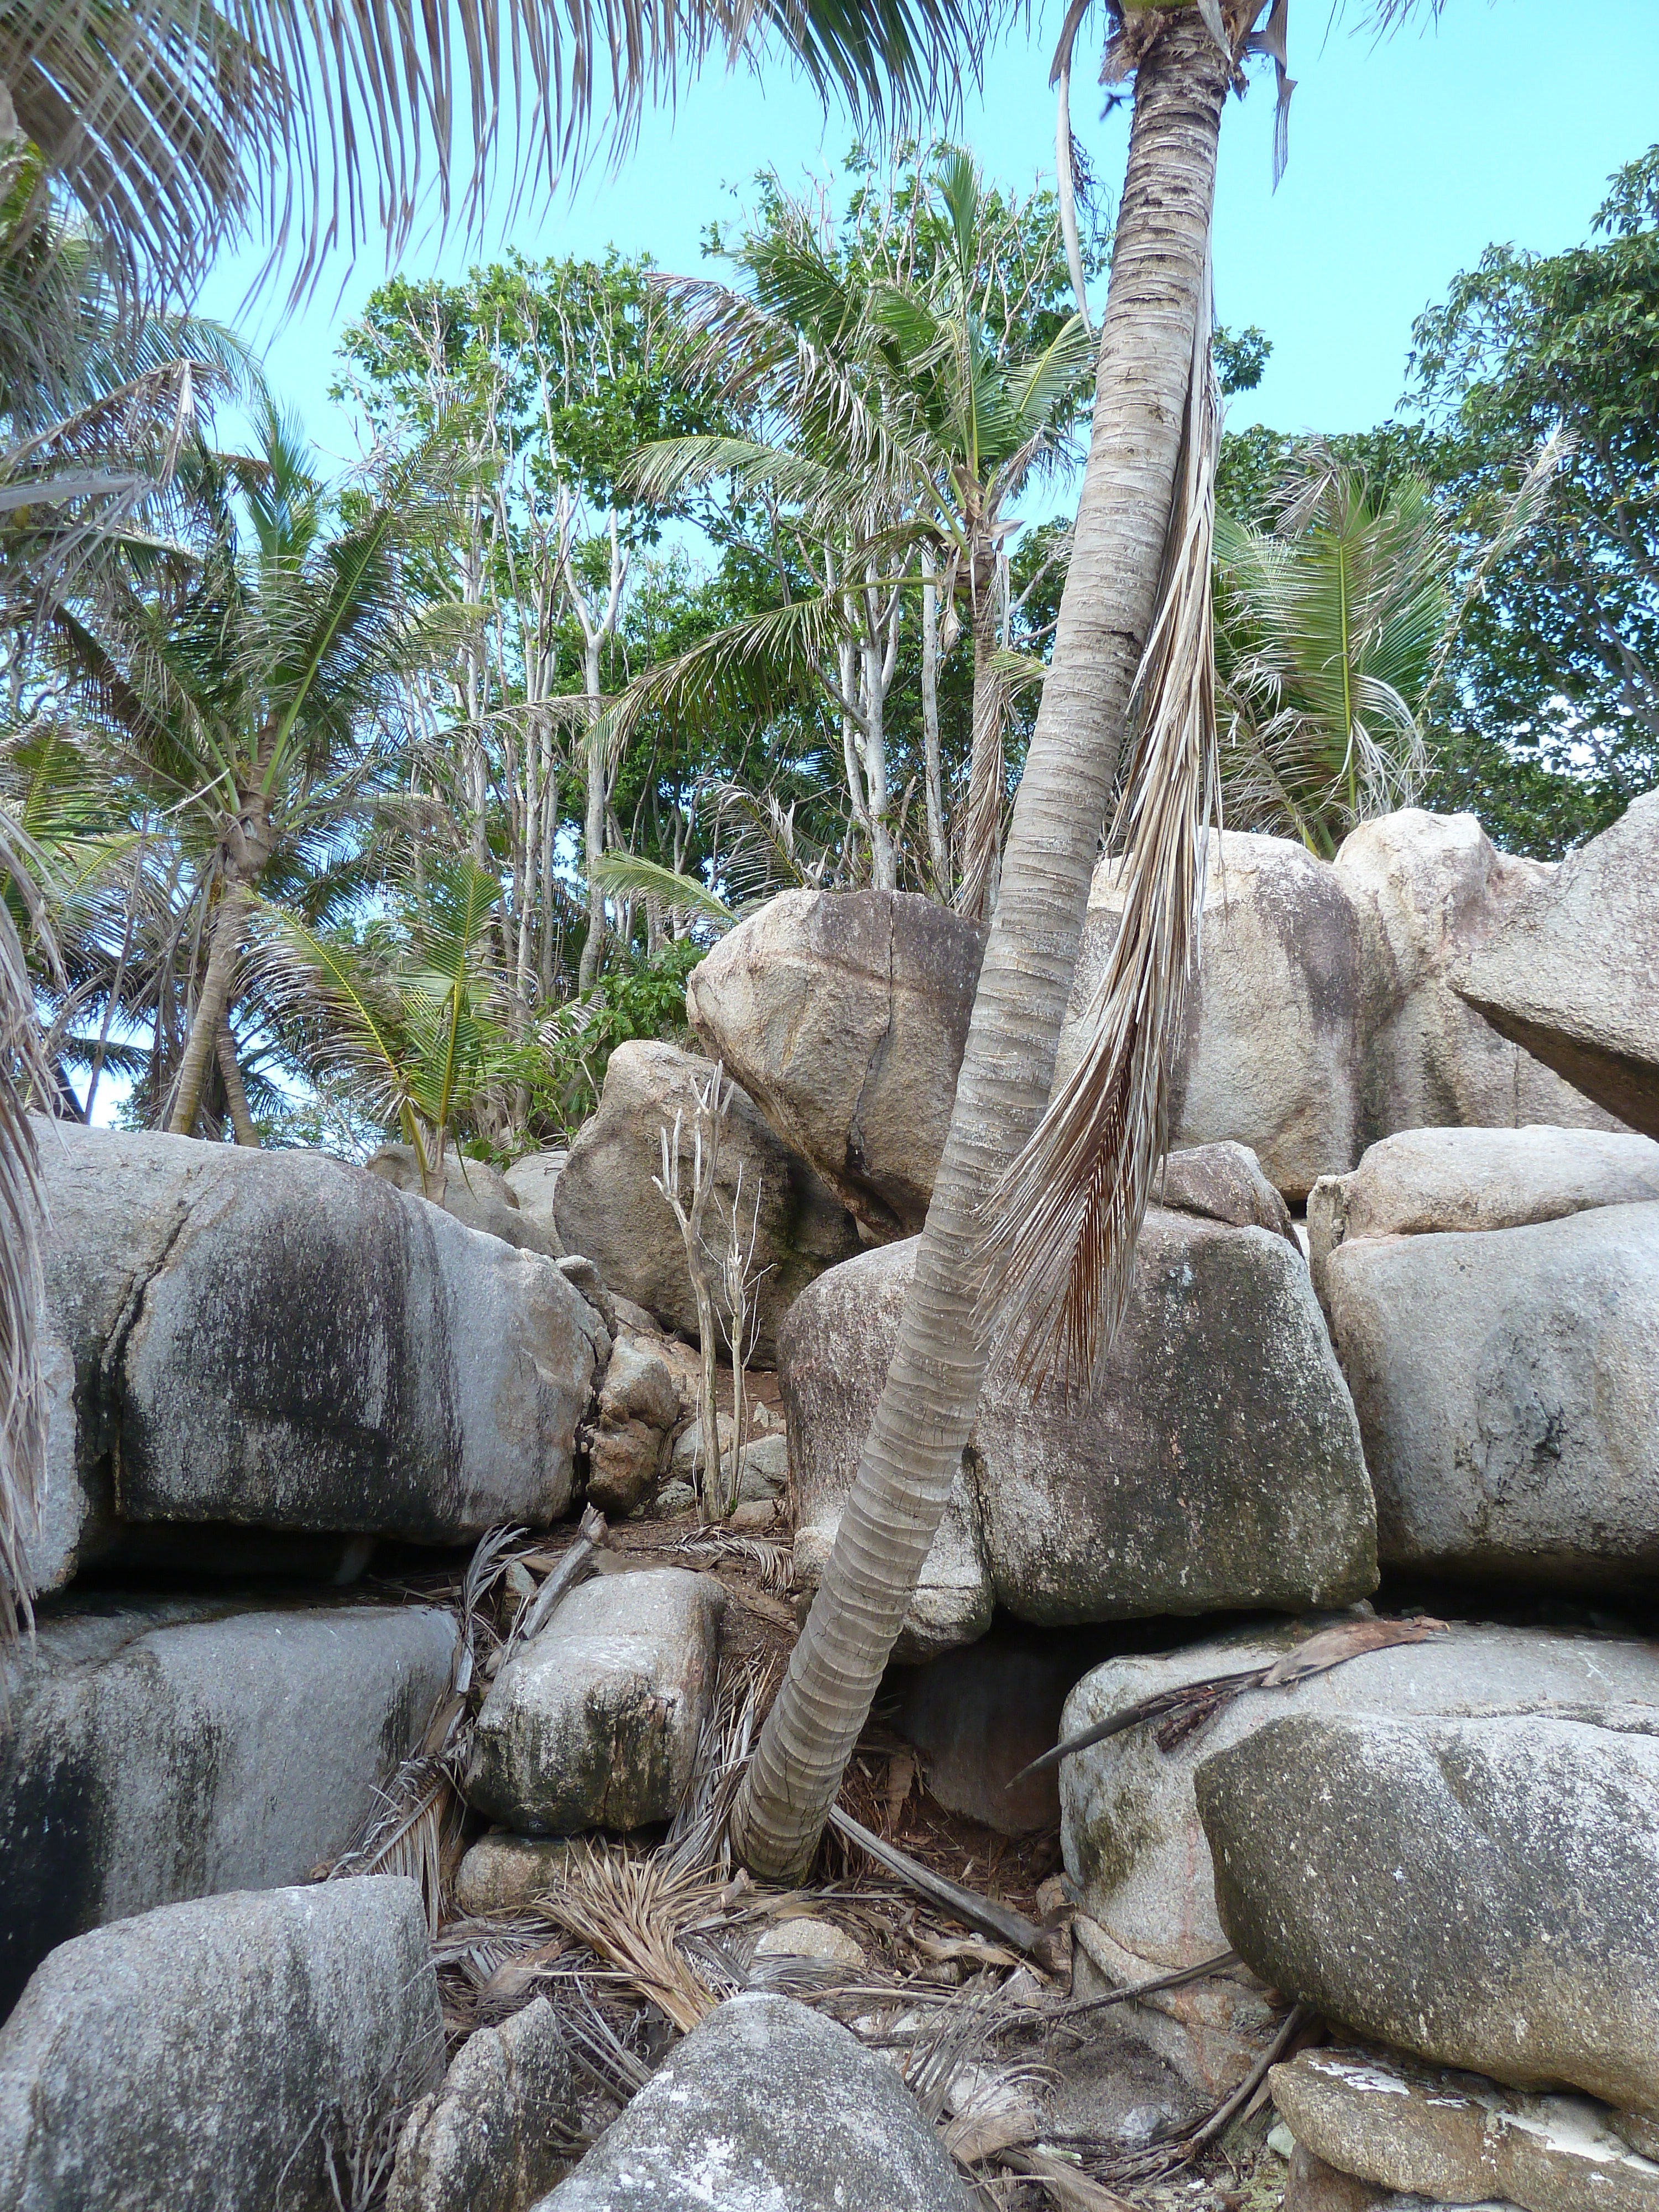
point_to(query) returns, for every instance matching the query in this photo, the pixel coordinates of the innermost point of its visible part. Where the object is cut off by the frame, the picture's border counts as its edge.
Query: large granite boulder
(609, 1207)
(160, 1750)
(1216, 1463)
(533, 1181)
(1507, 1385)
(1133, 1839)
(1424, 1180)
(1271, 1052)
(1572, 972)
(1456, 2138)
(1426, 890)
(1483, 1893)
(471, 1191)
(236, 2050)
(844, 1015)
(595, 1722)
(497, 2134)
(280, 1339)
(767, 2104)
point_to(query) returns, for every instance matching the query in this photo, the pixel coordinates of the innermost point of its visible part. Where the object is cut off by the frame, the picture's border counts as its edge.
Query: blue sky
(1407, 157)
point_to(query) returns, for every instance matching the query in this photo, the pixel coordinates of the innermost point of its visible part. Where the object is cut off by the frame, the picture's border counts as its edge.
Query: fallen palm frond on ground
(631, 1910)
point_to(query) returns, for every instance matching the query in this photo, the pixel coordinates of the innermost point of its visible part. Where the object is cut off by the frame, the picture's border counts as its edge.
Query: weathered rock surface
(505, 1873)
(209, 2057)
(1507, 1385)
(1313, 2186)
(1572, 972)
(1271, 1054)
(281, 1339)
(844, 1015)
(475, 1193)
(767, 2107)
(1134, 1841)
(1426, 889)
(496, 2135)
(1422, 1181)
(160, 1750)
(594, 1723)
(1224, 1182)
(533, 1181)
(1483, 1893)
(1217, 1464)
(633, 1432)
(808, 1937)
(1458, 2138)
(609, 1207)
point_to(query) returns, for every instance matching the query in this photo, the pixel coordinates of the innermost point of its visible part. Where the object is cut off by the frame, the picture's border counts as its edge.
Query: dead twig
(998, 1920)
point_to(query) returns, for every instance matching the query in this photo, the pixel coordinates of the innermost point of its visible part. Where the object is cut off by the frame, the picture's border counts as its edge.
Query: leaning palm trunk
(927, 1405)
(249, 844)
(983, 837)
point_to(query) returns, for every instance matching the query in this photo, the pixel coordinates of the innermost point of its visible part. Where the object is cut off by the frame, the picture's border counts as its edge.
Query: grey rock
(1422, 1181)
(281, 1340)
(1426, 889)
(594, 1723)
(844, 1015)
(1272, 1050)
(1507, 1385)
(498, 2132)
(502, 1872)
(688, 1446)
(1224, 1182)
(1458, 2138)
(1135, 1846)
(673, 1499)
(160, 1750)
(477, 1195)
(767, 2107)
(609, 1207)
(533, 1180)
(1483, 1893)
(630, 1443)
(1216, 1463)
(582, 1275)
(765, 1470)
(209, 2057)
(1571, 975)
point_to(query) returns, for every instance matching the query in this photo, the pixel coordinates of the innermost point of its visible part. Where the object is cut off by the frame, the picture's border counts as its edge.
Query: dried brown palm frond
(697, 1842)
(23, 1069)
(630, 1910)
(414, 1830)
(774, 1564)
(1059, 1229)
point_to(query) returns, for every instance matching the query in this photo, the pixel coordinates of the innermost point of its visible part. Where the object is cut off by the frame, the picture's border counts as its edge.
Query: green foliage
(1241, 358)
(644, 999)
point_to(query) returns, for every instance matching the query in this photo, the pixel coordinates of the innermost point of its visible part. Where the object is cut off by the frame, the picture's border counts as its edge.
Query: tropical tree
(900, 387)
(1153, 390)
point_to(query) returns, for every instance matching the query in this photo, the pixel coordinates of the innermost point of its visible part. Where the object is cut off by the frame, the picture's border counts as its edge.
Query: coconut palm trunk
(985, 767)
(249, 844)
(927, 1405)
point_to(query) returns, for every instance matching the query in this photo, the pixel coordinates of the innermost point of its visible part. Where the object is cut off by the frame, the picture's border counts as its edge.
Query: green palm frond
(630, 875)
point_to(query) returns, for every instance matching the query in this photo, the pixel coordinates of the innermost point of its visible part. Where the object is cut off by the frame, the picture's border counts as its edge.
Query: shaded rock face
(284, 1341)
(1426, 889)
(496, 2136)
(1422, 1181)
(1134, 1841)
(505, 1873)
(1483, 1893)
(533, 1181)
(1217, 1464)
(1571, 974)
(844, 1015)
(609, 1208)
(1457, 2138)
(209, 2055)
(1271, 1053)
(767, 2107)
(1507, 1386)
(1313, 2186)
(163, 1750)
(594, 1723)
(476, 1194)
(980, 1714)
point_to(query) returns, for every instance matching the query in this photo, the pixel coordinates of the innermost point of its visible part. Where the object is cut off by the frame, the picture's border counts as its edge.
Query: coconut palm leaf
(630, 875)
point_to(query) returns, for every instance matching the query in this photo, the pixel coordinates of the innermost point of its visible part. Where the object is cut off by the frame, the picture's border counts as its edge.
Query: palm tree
(897, 417)
(1154, 348)
(248, 703)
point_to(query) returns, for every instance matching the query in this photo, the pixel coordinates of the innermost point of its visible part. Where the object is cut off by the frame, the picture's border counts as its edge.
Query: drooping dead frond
(697, 1841)
(1061, 1226)
(414, 1830)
